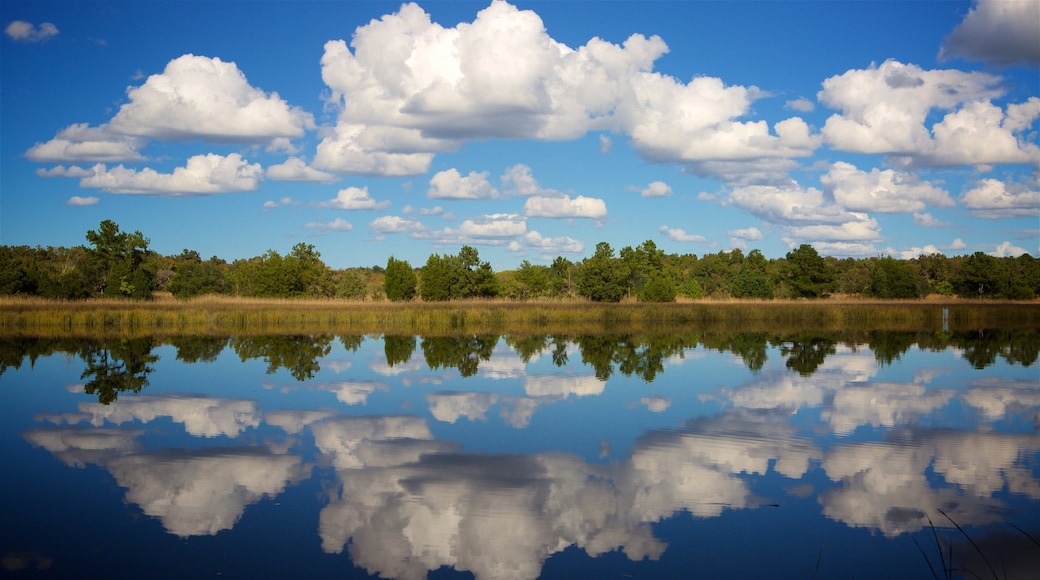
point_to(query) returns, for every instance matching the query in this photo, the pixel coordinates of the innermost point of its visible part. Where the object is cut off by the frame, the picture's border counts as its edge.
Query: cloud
(957, 244)
(81, 142)
(293, 421)
(927, 220)
(884, 110)
(997, 31)
(202, 492)
(547, 246)
(203, 175)
(993, 199)
(680, 235)
(201, 416)
(1007, 249)
(517, 180)
(605, 144)
(801, 105)
(423, 88)
(450, 184)
(343, 151)
(296, 169)
(354, 198)
(885, 191)
(656, 404)
(62, 171)
(565, 207)
(499, 225)
(656, 189)
(22, 31)
(913, 252)
(81, 201)
(207, 99)
(449, 407)
(336, 225)
(751, 234)
(391, 224)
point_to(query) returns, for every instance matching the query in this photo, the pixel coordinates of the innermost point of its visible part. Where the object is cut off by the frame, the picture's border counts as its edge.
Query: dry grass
(223, 315)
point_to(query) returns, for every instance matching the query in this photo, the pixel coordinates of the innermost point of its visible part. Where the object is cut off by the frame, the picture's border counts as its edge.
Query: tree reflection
(118, 366)
(461, 352)
(805, 354)
(297, 354)
(398, 349)
(193, 349)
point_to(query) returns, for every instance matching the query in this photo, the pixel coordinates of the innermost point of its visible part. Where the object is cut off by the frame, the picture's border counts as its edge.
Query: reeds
(221, 315)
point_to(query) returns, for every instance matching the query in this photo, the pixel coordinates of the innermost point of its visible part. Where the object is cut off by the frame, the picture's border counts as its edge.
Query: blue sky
(528, 130)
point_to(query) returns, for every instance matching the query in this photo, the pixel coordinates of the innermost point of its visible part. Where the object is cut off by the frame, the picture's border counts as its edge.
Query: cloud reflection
(201, 416)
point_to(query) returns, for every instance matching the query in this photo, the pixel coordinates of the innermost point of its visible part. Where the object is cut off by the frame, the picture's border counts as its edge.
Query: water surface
(743, 455)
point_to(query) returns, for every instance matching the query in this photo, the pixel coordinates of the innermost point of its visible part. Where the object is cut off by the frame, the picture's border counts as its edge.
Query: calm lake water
(681, 456)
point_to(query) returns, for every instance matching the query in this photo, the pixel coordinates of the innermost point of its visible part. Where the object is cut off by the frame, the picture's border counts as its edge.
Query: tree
(438, 277)
(474, 279)
(979, 277)
(399, 280)
(532, 281)
(752, 281)
(891, 278)
(808, 274)
(119, 258)
(193, 277)
(352, 284)
(602, 277)
(658, 288)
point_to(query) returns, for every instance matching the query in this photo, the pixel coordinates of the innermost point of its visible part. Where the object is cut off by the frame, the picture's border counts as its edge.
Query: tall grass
(222, 315)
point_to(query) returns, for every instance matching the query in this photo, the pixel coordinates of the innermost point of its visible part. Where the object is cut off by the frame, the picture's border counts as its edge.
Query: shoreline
(223, 315)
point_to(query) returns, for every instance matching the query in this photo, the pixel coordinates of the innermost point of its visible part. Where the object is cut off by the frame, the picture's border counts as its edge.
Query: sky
(528, 130)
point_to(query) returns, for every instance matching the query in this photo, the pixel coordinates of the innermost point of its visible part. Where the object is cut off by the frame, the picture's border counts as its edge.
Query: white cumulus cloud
(296, 169)
(354, 198)
(565, 207)
(81, 142)
(680, 235)
(884, 109)
(207, 99)
(203, 174)
(656, 189)
(886, 191)
(450, 184)
(992, 198)
(391, 224)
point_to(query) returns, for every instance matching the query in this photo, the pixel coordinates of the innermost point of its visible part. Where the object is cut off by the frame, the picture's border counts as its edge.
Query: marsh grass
(220, 315)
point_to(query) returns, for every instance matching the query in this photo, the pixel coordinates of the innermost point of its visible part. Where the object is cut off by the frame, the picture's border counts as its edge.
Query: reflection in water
(117, 366)
(870, 439)
(191, 492)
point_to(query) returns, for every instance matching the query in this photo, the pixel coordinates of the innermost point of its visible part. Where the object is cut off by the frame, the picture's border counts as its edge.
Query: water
(734, 456)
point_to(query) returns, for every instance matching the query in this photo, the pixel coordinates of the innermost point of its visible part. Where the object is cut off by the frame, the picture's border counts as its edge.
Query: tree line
(115, 263)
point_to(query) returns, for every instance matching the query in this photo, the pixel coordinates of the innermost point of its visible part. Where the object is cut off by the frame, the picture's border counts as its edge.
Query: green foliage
(807, 273)
(193, 277)
(437, 278)
(891, 278)
(118, 366)
(352, 284)
(446, 277)
(979, 277)
(119, 258)
(399, 280)
(752, 281)
(659, 288)
(602, 277)
(532, 281)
